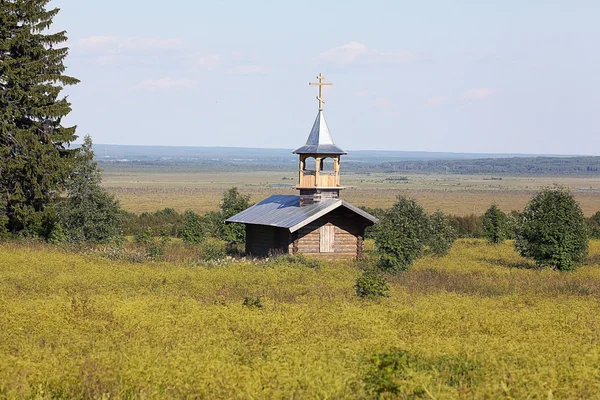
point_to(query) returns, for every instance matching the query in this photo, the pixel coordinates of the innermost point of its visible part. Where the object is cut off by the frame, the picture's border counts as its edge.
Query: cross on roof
(320, 84)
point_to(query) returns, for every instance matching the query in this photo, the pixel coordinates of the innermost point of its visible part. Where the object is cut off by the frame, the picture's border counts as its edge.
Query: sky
(454, 76)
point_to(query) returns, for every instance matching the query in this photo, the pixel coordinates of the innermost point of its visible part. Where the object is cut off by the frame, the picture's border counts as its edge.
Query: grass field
(478, 323)
(141, 191)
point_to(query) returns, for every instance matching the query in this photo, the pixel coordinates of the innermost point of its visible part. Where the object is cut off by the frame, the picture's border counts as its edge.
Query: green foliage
(442, 234)
(396, 373)
(401, 235)
(89, 213)
(212, 249)
(145, 237)
(164, 222)
(232, 203)
(468, 226)
(378, 213)
(192, 230)
(371, 284)
(593, 224)
(253, 302)
(495, 225)
(34, 156)
(57, 234)
(552, 230)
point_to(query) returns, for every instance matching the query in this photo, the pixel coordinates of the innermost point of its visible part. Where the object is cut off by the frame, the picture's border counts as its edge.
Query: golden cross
(320, 84)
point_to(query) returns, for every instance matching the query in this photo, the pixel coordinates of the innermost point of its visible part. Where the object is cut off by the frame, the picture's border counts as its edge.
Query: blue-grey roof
(319, 140)
(284, 211)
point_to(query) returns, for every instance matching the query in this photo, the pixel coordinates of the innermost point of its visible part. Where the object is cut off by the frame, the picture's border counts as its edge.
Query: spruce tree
(34, 154)
(89, 213)
(495, 225)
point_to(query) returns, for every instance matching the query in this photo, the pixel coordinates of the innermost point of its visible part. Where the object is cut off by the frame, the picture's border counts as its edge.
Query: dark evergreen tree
(89, 213)
(495, 225)
(553, 230)
(34, 154)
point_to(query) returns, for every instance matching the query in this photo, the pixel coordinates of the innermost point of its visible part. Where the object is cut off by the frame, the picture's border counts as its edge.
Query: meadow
(144, 190)
(480, 322)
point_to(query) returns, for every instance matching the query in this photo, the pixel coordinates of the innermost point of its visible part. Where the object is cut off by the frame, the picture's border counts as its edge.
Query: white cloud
(165, 84)
(478, 93)
(437, 100)
(208, 61)
(355, 52)
(344, 54)
(248, 70)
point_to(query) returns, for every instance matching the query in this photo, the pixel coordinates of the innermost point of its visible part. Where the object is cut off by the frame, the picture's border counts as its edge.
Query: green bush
(468, 226)
(371, 284)
(212, 249)
(392, 374)
(192, 230)
(233, 202)
(144, 237)
(594, 225)
(495, 225)
(401, 236)
(57, 235)
(442, 234)
(252, 302)
(163, 222)
(553, 230)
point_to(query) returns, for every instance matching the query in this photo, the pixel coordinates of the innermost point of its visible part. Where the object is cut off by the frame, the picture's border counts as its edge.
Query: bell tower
(316, 181)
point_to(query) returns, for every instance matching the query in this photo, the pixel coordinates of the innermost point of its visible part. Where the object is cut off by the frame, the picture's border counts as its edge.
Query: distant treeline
(504, 166)
(586, 166)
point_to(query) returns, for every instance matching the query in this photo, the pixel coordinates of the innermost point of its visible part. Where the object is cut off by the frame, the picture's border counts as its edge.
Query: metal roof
(284, 211)
(319, 140)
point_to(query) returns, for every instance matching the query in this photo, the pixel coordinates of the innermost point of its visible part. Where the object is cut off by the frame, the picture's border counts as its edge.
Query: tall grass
(478, 323)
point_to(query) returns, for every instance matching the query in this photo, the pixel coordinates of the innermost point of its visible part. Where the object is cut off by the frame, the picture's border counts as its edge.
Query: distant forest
(182, 159)
(497, 166)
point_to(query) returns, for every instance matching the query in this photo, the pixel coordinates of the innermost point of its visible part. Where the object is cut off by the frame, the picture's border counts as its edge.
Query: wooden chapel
(317, 222)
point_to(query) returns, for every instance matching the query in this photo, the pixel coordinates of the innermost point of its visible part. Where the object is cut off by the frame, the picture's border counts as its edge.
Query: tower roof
(319, 140)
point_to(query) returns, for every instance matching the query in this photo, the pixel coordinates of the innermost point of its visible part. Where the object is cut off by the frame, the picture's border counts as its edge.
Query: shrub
(145, 237)
(552, 230)
(163, 222)
(495, 225)
(232, 203)
(401, 236)
(594, 225)
(212, 249)
(442, 234)
(393, 374)
(252, 302)
(371, 284)
(57, 234)
(192, 230)
(469, 226)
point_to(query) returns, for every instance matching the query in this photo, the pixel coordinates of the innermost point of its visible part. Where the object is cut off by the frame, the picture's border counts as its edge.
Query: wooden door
(326, 238)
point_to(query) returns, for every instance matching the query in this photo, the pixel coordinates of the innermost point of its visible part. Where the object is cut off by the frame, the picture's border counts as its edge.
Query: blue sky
(462, 76)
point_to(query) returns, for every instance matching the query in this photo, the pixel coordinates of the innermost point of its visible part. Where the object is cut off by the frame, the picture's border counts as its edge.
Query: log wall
(349, 232)
(264, 241)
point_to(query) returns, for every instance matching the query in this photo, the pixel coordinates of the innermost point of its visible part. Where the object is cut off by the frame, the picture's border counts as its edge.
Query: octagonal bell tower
(316, 181)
